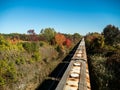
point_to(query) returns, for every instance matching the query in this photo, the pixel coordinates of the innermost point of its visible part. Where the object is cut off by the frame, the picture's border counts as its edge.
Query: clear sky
(65, 16)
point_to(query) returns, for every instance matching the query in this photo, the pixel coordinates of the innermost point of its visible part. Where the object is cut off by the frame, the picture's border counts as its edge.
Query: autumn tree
(68, 43)
(60, 39)
(94, 42)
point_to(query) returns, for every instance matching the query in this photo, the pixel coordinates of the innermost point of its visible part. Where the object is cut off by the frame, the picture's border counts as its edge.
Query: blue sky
(65, 16)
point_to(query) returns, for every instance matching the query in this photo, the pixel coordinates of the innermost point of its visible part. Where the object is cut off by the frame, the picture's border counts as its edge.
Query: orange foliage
(13, 41)
(60, 39)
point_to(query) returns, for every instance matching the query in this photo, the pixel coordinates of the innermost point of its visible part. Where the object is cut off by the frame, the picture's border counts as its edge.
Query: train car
(76, 76)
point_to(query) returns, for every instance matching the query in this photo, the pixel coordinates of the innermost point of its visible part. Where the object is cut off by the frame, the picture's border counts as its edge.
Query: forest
(103, 51)
(27, 59)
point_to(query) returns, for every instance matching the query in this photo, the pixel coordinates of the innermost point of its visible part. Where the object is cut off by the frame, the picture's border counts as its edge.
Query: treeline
(47, 35)
(104, 58)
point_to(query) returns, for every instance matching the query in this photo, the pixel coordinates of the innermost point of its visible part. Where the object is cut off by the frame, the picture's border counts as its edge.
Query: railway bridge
(76, 76)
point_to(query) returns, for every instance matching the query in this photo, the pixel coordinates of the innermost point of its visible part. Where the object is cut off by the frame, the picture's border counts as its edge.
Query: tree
(31, 32)
(68, 43)
(60, 39)
(76, 37)
(111, 34)
(94, 42)
(32, 35)
(49, 34)
(24, 37)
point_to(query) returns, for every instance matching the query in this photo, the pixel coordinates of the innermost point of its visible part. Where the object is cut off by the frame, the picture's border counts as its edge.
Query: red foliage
(68, 43)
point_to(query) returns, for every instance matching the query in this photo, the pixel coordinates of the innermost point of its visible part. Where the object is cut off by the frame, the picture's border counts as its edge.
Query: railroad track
(76, 76)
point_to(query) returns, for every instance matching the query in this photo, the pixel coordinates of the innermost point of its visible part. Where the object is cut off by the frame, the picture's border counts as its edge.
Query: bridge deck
(76, 77)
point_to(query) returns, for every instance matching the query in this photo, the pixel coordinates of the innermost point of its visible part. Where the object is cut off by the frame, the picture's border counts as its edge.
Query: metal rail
(76, 76)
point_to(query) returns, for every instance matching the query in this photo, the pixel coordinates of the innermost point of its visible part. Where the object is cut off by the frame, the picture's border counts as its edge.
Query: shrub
(30, 47)
(27, 46)
(8, 72)
(36, 56)
(99, 72)
(41, 44)
(2, 81)
(20, 60)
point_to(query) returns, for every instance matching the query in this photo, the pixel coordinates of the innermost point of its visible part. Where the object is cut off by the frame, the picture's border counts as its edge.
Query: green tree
(76, 37)
(111, 34)
(49, 34)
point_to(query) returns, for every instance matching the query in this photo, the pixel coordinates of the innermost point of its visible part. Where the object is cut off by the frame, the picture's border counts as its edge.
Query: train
(76, 76)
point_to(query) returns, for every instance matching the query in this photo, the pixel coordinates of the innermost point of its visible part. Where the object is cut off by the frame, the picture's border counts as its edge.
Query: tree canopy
(94, 41)
(48, 33)
(111, 34)
(60, 39)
